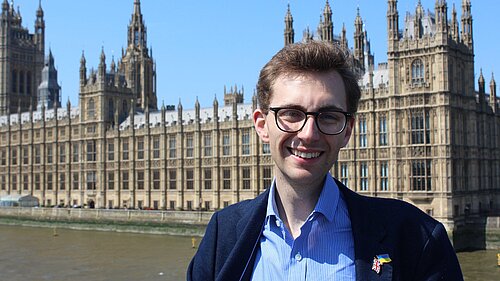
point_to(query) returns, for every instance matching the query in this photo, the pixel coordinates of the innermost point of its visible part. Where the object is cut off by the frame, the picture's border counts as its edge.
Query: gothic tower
(21, 59)
(289, 32)
(326, 25)
(137, 63)
(359, 39)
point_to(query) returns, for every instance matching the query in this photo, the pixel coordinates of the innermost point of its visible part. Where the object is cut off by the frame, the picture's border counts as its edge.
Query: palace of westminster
(423, 134)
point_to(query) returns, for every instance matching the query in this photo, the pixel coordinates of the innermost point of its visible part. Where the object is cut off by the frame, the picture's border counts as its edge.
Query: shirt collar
(326, 205)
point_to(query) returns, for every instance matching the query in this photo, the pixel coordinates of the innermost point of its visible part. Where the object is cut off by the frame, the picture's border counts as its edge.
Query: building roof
(225, 113)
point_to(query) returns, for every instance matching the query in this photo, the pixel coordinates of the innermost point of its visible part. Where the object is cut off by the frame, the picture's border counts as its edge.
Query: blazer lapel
(368, 233)
(239, 264)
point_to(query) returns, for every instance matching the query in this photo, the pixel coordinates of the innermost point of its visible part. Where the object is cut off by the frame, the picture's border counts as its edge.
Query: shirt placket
(298, 256)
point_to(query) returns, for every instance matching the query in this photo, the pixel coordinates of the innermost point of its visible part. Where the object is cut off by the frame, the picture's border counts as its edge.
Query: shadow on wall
(477, 233)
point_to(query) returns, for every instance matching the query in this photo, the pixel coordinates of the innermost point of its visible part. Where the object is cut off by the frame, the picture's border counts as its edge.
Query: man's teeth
(306, 155)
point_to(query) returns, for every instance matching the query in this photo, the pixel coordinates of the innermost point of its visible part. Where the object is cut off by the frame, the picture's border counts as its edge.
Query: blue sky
(201, 46)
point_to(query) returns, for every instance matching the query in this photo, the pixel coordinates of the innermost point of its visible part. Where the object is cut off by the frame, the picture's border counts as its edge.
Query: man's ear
(348, 131)
(259, 122)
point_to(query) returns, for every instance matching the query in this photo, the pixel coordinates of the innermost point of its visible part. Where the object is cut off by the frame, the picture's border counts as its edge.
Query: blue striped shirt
(324, 250)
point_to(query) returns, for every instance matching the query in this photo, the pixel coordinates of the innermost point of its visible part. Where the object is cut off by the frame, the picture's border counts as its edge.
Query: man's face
(306, 156)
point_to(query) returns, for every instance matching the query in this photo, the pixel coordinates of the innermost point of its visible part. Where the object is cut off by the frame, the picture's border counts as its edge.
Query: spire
(51, 57)
(137, 7)
(343, 37)
(49, 89)
(441, 11)
(216, 102)
(307, 36)
(467, 23)
(327, 27)
(113, 64)
(493, 93)
(83, 70)
(417, 24)
(480, 82)
(39, 11)
(40, 29)
(289, 32)
(359, 48)
(137, 29)
(455, 35)
(392, 21)
(102, 65)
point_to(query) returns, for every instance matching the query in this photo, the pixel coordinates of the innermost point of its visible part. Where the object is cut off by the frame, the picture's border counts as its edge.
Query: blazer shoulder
(243, 208)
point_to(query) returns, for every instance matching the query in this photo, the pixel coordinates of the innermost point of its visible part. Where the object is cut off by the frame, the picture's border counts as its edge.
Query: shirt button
(278, 224)
(298, 257)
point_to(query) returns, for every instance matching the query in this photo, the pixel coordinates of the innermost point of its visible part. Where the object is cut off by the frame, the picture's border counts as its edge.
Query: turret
(455, 35)
(197, 111)
(343, 38)
(493, 93)
(83, 71)
(419, 15)
(327, 25)
(481, 87)
(369, 58)
(441, 10)
(137, 29)
(480, 82)
(392, 22)
(40, 28)
(467, 23)
(289, 32)
(359, 38)
(307, 36)
(216, 110)
(49, 89)
(101, 72)
(179, 113)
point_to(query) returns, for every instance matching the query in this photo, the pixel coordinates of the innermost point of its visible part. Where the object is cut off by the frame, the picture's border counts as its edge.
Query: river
(30, 253)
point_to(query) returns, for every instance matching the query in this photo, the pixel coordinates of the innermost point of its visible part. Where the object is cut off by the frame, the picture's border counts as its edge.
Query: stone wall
(105, 215)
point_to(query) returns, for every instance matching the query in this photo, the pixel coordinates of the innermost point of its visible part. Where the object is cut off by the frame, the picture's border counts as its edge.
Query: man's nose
(310, 131)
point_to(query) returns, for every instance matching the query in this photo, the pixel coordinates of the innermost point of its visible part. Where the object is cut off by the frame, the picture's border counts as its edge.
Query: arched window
(417, 71)
(14, 81)
(91, 109)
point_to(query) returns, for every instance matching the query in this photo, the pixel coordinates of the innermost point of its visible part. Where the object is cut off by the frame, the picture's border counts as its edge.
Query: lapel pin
(378, 261)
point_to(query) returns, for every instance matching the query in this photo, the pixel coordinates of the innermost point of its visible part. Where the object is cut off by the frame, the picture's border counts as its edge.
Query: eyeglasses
(292, 120)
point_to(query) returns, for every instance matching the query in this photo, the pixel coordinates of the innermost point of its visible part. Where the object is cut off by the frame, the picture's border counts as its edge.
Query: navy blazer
(417, 244)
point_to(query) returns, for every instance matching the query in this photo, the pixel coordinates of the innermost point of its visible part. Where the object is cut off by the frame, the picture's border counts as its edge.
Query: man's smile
(304, 155)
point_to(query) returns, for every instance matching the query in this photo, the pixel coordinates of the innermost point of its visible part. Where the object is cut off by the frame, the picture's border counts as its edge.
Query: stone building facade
(423, 134)
(21, 59)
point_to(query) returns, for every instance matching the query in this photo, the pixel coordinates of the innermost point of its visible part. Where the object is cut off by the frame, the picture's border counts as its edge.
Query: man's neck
(295, 203)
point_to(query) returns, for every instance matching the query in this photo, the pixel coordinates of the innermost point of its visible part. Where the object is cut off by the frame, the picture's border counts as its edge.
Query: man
(307, 225)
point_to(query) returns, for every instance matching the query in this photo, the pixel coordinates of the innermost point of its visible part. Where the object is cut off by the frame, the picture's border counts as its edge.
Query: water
(28, 253)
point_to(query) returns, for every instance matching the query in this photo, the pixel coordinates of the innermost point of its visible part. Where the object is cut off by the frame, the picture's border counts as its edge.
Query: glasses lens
(331, 122)
(290, 120)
